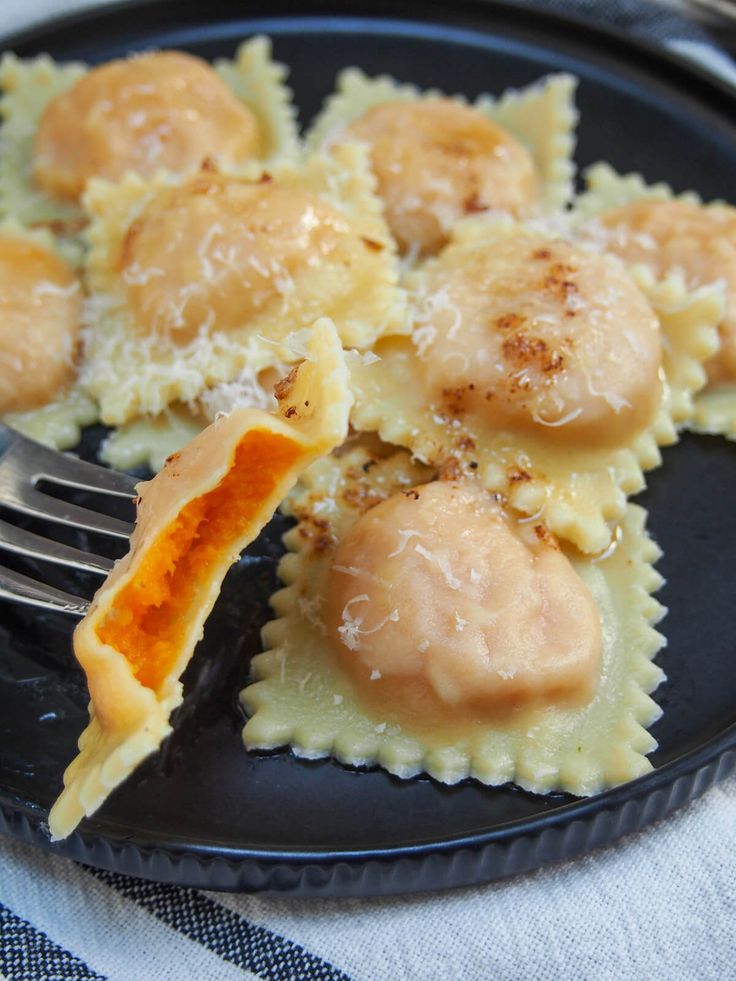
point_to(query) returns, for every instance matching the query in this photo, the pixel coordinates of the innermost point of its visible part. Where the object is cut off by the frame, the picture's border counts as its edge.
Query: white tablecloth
(656, 907)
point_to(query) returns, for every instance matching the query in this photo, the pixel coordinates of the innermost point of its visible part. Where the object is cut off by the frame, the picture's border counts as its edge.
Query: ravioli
(545, 369)
(65, 124)
(194, 519)
(149, 440)
(438, 159)
(40, 328)
(649, 225)
(40, 321)
(60, 422)
(426, 628)
(194, 281)
(495, 615)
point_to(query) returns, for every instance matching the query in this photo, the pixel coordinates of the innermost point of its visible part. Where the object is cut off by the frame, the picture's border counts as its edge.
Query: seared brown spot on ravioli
(509, 321)
(522, 351)
(496, 340)
(362, 496)
(454, 399)
(466, 443)
(283, 388)
(317, 531)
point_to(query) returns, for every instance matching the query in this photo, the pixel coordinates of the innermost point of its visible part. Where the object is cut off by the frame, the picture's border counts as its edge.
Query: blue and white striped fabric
(660, 907)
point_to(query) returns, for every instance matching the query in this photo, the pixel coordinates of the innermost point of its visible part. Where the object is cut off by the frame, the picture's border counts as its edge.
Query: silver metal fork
(24, 464)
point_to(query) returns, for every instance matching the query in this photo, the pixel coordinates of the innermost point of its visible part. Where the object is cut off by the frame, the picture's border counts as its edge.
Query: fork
(23, 465)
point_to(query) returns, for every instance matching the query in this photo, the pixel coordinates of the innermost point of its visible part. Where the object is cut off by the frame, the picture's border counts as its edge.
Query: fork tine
(19, 588)
(23, 462)
(37, 462)
(73, 472)
(28, 500)
(23, 542)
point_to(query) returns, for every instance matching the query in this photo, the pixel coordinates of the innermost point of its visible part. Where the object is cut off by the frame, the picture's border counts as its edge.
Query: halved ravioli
(164, 109)
(209, 502)
(438, 159)
(426, 628)
(547, 370)
(40, 333)
(194, 281)
(650, 225)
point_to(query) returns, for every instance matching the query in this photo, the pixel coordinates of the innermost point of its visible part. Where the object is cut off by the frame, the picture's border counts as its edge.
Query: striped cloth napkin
(660, 906)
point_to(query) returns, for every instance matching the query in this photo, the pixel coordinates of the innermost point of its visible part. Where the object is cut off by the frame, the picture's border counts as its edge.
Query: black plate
(204, 812)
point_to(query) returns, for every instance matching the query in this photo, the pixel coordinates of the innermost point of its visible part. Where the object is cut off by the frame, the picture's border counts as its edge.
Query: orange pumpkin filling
(149, 618)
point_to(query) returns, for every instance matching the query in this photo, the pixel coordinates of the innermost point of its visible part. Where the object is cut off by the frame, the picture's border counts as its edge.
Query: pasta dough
(60, 422)
(303, 694)
(194, 519)
(149, 440)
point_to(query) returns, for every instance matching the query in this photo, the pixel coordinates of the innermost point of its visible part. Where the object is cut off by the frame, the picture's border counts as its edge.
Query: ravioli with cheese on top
(496, 616)
(699, 241)
(648, 225)
(439, 159)
(426, 627)
(161, 110)
(41, 300)
(544, 368)
(67, 124)
(195, 280)
(533, 334)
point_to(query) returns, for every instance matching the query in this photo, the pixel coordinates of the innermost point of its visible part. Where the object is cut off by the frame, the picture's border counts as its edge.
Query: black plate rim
(646, 51)
(583, 809)
(680, 69)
